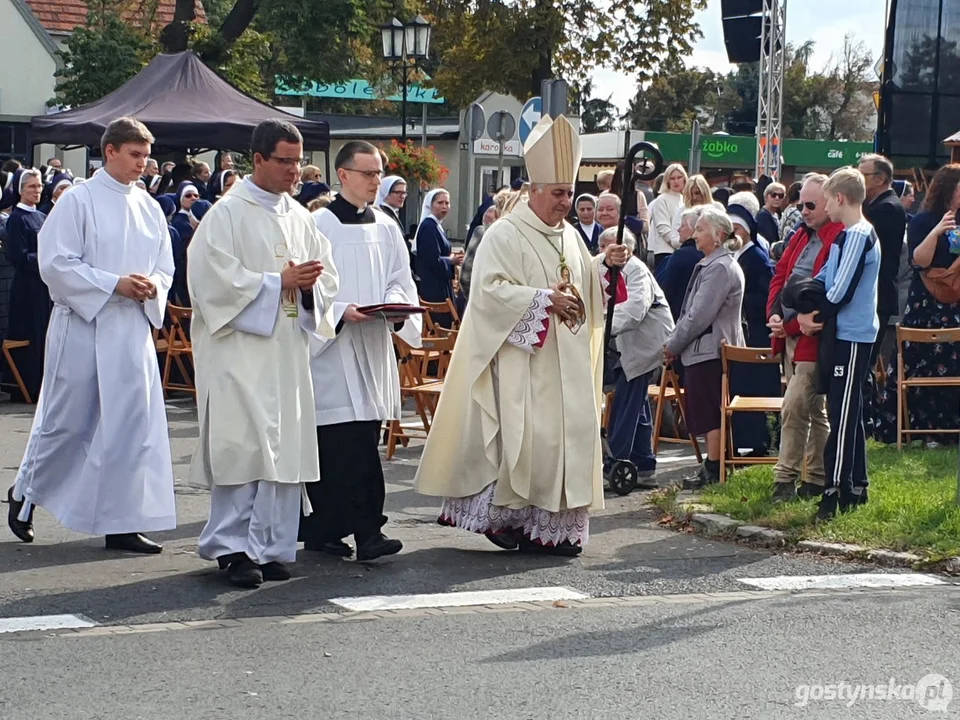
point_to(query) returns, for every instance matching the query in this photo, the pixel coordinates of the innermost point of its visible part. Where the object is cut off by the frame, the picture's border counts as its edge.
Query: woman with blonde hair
(662, 212)
(709, 317)
(311, 173)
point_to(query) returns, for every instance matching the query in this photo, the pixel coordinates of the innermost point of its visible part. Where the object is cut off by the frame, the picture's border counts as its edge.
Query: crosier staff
(651, 158)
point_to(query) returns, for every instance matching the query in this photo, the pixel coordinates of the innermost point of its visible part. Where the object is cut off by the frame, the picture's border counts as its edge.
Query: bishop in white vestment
(250, 334)
(98, 457)
(355, 377)
(514, 449)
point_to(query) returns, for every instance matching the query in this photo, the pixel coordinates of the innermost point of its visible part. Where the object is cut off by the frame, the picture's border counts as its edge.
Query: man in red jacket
(804, 427)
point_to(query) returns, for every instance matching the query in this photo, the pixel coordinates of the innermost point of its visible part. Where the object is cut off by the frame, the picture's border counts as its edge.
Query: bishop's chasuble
(516, 439)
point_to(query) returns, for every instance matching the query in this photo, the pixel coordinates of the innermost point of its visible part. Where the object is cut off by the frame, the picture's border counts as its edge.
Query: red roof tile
(62, 16)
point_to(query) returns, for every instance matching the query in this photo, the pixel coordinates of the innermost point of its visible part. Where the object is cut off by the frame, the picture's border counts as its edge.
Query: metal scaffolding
(773, 51)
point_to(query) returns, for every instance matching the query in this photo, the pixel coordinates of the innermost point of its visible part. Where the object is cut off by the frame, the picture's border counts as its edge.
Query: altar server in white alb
(355, 376)
(98, 458)
(515, 447)
(261, 280)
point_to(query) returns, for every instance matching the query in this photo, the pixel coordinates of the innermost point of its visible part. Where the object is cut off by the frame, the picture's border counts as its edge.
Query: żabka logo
(719, 148)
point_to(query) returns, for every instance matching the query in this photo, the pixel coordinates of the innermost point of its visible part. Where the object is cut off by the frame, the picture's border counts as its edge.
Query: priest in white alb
(261, 280)
(98, 458)
(355, 377)
(514, 449)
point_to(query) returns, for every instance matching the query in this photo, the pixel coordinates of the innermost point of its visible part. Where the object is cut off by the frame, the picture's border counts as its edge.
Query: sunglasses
(810, 206)
(187, 197)
(777, 195)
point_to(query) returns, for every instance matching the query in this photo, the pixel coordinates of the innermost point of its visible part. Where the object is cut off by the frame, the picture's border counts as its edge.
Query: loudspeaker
(920, 95)
(742, 29)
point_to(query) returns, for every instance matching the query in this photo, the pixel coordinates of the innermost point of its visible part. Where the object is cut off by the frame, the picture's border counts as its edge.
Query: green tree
(103, 54)
(672, 101)
(511, 46)
(596, 114)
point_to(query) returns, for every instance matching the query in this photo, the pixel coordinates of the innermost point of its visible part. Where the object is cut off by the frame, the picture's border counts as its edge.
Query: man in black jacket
(884, 211)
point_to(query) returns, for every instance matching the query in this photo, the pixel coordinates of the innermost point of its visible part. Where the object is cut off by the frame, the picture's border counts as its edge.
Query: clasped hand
(302, 276)
(136, 287)
(564, 305)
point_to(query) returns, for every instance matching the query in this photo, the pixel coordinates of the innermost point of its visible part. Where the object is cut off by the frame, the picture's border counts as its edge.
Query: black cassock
(30, 304)
(349, 498)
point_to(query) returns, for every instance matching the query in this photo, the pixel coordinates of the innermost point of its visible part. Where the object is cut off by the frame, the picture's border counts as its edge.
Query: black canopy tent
(185, 105)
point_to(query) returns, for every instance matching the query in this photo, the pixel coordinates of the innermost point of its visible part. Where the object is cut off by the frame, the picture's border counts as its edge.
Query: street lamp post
(404, 46)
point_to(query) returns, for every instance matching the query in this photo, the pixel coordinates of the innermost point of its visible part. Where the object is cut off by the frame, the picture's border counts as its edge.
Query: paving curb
(696, 515)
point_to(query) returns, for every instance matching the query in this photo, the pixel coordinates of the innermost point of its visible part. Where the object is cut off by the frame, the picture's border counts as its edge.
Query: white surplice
(98, 457)
(255, 395)
(355, 373)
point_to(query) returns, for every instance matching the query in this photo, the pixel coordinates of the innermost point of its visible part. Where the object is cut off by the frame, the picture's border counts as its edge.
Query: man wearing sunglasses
(768, 219)
(885, 212)
(804, 428)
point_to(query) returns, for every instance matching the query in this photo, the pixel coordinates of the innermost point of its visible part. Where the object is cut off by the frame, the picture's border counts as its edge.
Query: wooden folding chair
(912, 335)
(178, 350)
(9, 345)
(430, 326)
(730, 405)
(669, 391)
(424, 392)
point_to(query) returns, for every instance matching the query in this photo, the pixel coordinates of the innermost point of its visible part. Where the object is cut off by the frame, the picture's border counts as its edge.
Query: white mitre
(552, 152)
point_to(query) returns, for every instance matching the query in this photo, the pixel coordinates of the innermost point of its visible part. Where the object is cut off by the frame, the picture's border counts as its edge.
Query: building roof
(953, 139)
(60, 17)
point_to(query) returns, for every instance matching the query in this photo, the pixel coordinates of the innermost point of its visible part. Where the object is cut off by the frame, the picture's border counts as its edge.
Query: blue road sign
(529, 116)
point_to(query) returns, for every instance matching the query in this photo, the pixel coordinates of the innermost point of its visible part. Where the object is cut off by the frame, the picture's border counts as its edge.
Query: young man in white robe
(514, 449)
(261, 279)
(355, 376)
(98, 458)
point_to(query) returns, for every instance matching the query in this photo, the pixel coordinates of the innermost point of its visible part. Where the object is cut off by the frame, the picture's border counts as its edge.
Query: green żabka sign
(741, 150)
(361, 90)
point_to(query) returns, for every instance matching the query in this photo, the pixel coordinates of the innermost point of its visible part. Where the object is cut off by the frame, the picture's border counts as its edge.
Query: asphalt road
(659, 647)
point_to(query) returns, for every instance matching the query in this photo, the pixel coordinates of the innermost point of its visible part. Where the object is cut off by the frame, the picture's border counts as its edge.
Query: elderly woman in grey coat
(710, 315)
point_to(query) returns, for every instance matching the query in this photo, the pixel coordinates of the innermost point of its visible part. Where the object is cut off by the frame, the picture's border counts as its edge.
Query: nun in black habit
(30, 304)
(750, 432)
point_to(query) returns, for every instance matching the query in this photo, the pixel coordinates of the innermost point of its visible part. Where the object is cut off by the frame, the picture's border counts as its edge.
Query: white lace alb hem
(477, 513)
(526, 334)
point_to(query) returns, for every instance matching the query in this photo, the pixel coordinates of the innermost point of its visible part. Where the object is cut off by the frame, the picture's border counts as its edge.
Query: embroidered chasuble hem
(477, 513)
(531, 331)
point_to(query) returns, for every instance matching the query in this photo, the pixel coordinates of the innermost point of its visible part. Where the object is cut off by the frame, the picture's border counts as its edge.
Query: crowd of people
(296, 290)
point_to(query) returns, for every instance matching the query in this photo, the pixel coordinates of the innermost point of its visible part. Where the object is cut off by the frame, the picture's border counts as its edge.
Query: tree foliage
(511, 46)
(831, 104)
(103, 54)
(596, 114)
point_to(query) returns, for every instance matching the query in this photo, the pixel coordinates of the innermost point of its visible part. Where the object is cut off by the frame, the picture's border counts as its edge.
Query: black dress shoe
(783, 492)
(378, 546)
(331, 547)
(23, 530)
(504, 540)
(133, 542)
(245, 573)
(810, 490)
(564, 549)
(275, 571)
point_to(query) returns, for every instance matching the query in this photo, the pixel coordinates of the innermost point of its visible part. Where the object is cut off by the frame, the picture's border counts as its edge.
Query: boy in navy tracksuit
(850, 277)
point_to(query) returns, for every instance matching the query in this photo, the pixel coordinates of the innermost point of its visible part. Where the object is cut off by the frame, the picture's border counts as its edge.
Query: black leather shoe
(331, 547)
(378, 546)
(23, 530)
(810, 490)
(245, 573)
(504, 541)
(564, 549)
(133, 542)
(275, 571)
